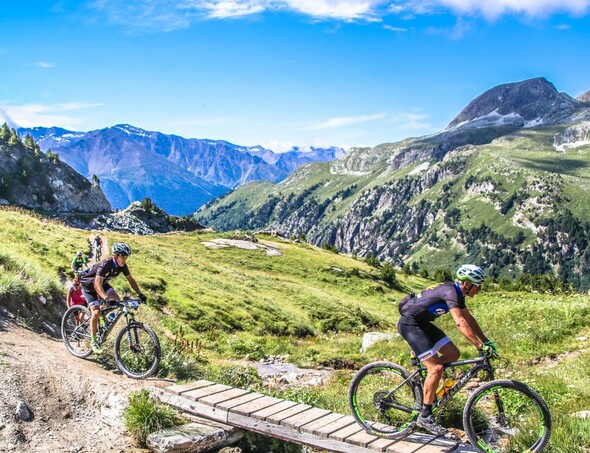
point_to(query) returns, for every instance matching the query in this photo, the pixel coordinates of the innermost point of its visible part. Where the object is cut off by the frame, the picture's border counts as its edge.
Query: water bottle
(111, 316)
(445, 387)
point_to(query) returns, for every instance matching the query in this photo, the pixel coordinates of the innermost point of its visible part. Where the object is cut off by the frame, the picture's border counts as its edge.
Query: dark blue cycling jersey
(433, 302)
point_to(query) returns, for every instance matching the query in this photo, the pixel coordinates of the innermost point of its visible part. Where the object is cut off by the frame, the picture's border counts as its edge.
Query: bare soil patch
(76, 405)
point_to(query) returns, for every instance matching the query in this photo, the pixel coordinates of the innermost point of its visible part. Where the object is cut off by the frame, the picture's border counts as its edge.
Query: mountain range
(176, 173)
(505, 185)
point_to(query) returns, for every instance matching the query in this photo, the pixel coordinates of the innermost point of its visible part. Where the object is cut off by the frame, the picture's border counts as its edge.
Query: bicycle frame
(479, 364)
(123, 310)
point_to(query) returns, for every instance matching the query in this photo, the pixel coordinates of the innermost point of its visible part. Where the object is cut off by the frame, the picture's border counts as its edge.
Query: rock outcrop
(34, 180)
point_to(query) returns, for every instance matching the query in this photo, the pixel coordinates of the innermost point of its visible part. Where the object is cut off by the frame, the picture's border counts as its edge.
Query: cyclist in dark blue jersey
(96, 287)
(430, 343)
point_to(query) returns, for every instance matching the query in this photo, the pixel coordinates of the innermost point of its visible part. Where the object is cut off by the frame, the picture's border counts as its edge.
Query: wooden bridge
(291, 421)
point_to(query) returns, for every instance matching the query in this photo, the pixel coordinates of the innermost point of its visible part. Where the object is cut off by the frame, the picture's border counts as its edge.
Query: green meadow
(215, 307)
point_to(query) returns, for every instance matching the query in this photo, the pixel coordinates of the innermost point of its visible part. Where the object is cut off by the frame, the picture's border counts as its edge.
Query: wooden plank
(262, 414)
(256, 405)
(282, 415)
(228, 405)
(298, 420)
(316, 424)
(181, 388)
(421, 443)
(195, 395)
(290, 435)
(336, 425)
(192, 407)
(227, 395)
(362, 439)
(380, 444)
(346, 432)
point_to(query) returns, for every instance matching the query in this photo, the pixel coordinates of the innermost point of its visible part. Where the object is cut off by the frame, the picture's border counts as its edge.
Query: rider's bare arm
(98, 281)
(468, 326)
(133, 284)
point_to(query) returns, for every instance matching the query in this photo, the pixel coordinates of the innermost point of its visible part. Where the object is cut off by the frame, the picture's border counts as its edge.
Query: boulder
(194, 437)
(369, 339)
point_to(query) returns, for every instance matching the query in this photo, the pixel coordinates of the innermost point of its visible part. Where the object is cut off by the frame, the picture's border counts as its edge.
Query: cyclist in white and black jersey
(430, 343)
(95, 285)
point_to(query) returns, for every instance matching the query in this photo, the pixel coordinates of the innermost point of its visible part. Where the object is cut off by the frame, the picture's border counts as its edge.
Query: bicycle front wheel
(384, 400)
(507, 416)
(137, 351)
(75, 331)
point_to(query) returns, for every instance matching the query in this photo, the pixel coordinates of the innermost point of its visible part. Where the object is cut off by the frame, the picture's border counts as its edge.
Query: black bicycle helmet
(121, 248)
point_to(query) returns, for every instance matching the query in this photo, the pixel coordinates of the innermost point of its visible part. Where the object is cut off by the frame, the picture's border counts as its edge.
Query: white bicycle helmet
(471, 273)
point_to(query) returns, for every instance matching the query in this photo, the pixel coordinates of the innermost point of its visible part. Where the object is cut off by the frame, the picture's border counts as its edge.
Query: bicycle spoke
(76, 331)
(378, 408)
(507, 419)
(137, 351)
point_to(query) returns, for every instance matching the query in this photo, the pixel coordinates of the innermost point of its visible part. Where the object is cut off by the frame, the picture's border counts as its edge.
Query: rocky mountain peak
(584, 97)
(528, 103)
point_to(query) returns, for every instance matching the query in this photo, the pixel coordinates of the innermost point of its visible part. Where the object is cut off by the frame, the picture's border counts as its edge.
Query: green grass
(214, 306)
(145, 415)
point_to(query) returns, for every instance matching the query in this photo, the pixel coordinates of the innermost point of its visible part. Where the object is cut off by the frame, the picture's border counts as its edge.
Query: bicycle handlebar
(120, 303)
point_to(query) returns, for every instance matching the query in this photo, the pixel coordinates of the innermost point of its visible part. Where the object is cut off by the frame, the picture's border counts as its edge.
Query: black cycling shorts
(424, 338)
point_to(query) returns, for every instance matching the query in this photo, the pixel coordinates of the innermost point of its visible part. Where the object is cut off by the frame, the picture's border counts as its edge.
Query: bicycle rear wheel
(75, 331)
(137, 351)
(507, 416)
(384, 401)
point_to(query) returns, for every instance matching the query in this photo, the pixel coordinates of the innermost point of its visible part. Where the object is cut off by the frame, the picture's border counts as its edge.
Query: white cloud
(391, 28)
(278, 146)
(168, 15)
(31, 115)
(337, 9)
(347, 121)
(44, 64)
(411, 121)
(225, 9)
(491, 9)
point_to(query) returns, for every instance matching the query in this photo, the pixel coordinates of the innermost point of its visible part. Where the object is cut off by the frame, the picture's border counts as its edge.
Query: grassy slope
(231, 300)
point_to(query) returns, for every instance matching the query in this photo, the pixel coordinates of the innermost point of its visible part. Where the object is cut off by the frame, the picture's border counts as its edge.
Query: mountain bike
(499, 416)
(137, 348)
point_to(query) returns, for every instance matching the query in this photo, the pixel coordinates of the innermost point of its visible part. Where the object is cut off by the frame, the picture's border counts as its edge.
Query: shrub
(145, 415)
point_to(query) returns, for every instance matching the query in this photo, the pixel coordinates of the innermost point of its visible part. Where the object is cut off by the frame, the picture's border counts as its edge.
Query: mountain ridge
(178, 174)
(479, 191)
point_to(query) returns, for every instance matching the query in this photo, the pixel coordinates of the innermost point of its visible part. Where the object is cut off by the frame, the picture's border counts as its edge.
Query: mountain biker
(97, 241)
(430, 343)
(95, 285)
(74, 296)
(79, 262)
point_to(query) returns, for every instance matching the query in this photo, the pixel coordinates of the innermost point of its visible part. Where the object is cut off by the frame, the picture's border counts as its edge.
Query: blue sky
(279, 73)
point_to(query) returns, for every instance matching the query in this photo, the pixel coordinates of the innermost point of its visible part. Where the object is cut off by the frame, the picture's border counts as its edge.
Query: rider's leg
(435, 370)
(112, 294)
(449, 353)
(95, 312)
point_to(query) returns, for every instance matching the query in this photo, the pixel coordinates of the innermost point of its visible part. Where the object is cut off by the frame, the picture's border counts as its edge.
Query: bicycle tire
(76, 338)
(132, 361)
(524, 426)
(384, 401)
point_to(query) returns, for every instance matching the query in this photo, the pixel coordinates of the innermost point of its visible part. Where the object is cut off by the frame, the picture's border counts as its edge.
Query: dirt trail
(105, 248)
(71, 400)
